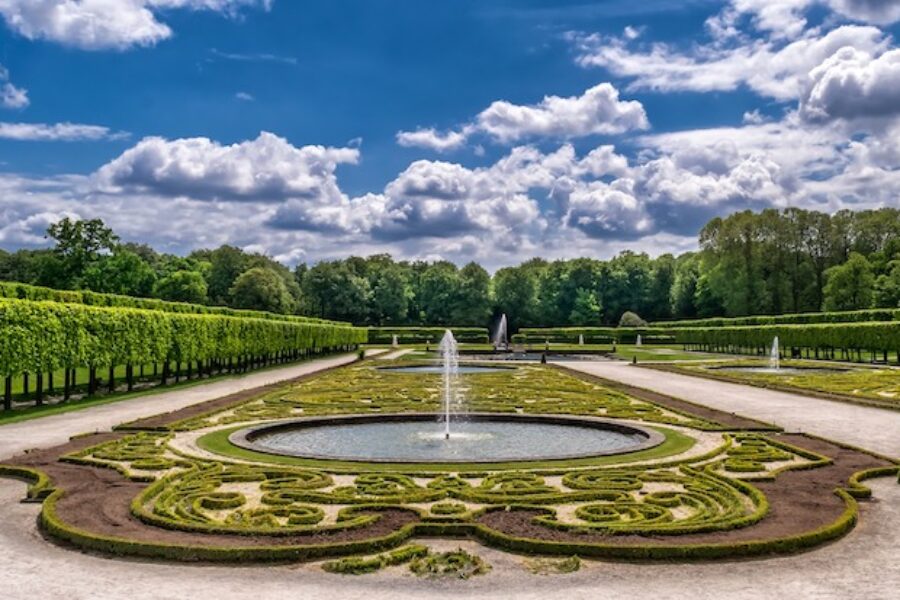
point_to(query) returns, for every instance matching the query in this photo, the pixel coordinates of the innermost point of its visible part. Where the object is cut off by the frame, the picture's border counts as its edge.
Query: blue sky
(318, 129)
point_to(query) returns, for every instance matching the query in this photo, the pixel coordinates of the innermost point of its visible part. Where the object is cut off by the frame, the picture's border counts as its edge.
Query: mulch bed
(799, 501)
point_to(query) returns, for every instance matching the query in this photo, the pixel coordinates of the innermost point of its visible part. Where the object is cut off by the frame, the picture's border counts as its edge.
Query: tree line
(748, 263)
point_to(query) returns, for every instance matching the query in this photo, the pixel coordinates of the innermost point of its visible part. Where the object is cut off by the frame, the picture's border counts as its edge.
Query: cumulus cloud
(104, 24)
(598, 111)
(433, 139)
(769, 67)
(57, 132)
(268, 168)
(853, 84)
(10, 95)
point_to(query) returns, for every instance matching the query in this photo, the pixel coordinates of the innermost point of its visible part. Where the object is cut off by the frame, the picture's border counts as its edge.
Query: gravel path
(875, 429)
(863, 565)
(44, 432)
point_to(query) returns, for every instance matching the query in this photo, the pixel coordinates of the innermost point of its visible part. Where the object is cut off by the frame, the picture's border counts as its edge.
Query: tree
(849, 286)
(683, 292)
(78, 243)
(887, 287)
(515, 293)
(122, 273)
(226, 265)
(586, 309)
(260, 288)
(334, 291)
(438, 287)
(472, 301)
(182, 286)
(390, 295)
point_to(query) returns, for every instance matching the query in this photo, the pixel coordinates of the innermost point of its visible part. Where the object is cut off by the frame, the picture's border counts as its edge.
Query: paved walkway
(863, 565)
(44, 432)
(875, 429)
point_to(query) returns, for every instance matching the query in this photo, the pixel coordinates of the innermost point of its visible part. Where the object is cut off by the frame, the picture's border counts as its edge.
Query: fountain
(450, 356)
(581, 339)
(394, 342)
(500, 340)
(774, 356)
(481, 437)
(638, 341)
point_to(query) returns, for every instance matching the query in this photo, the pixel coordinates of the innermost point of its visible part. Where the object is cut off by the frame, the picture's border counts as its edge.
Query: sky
(487, 130)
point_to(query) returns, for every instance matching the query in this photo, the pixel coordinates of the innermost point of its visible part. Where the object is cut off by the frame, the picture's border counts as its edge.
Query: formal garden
(672, 480)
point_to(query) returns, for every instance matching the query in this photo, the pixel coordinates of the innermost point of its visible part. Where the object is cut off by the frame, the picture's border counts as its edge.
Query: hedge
(852, 316)
(42, 337)
(22, 291)
(591, 335)
(880, 337)
(421, 335)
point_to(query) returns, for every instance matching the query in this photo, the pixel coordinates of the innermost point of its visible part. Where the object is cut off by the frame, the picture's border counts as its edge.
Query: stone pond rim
(247, 438)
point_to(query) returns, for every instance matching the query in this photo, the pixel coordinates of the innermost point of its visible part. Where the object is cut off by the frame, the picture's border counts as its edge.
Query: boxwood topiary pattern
(708, 490)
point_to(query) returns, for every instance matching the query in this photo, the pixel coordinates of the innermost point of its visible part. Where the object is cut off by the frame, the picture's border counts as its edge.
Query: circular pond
(420, 438)
(439, 369)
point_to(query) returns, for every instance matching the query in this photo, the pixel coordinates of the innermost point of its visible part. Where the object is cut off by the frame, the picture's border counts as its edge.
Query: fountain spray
(450, 355)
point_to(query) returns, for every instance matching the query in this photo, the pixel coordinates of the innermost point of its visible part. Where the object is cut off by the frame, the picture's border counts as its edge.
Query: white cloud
(245, 97)
(598, 111)
(771, 68)
(58, 132)
(853, 84)
(10, 95)
(265, 169)
(432, 139)
(104, 24)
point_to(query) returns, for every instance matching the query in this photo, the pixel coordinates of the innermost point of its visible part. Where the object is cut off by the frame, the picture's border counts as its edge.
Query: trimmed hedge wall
(41, 337)
(421, 335)
(22, 291)
(592, 335)
(852, 316)
(883, 337)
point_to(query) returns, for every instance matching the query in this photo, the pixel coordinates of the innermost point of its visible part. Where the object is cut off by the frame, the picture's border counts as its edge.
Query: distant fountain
(394, 341)
(775, 356)
(581, 339)
(638, 341)
(450, 356)
(500, 340)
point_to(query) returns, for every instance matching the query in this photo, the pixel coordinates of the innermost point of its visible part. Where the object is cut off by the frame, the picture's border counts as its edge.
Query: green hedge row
(882, 337)
(852, 316)
(421, 335)
(54, 526)
(40, 337)
(21, 291)
(591, 335)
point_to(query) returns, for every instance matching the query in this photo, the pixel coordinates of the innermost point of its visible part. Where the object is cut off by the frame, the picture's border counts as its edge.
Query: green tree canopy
(182, 286)
(260, 288)
(849, 286)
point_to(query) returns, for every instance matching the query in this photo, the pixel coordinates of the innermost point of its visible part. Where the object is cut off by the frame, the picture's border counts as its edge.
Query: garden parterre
(674, 504)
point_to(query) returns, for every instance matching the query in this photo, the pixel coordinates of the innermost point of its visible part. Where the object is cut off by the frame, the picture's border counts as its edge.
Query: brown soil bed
(728, 420)
(799, 501)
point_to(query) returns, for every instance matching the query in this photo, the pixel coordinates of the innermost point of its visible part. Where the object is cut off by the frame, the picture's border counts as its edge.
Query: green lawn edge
(217, 443)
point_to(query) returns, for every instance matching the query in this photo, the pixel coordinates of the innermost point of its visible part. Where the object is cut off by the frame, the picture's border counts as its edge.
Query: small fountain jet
(450, 356)
(500, 340)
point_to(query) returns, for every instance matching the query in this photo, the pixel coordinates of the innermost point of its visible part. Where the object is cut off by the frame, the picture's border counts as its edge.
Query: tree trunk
(112, 379)
(39, 389)
(7, 393)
